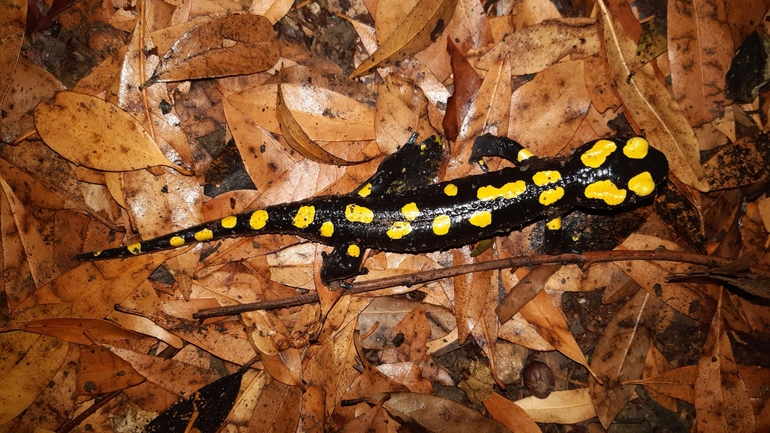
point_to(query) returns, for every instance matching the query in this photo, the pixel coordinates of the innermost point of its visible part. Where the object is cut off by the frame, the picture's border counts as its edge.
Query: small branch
(584, 260)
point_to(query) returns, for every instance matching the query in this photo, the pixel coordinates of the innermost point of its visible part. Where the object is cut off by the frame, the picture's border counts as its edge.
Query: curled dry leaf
(233, 45)
(96, 134)
(418, 30)
(563, 407)
(298, 140)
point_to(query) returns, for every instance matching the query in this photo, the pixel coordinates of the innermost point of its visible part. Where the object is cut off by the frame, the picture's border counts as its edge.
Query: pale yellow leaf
(563, 407)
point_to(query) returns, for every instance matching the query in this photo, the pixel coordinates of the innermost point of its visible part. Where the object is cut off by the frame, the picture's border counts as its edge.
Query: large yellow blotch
(327, 229)
(596, 155)
(450, 190)
(204, 235)
(354, 251)
(358, 214)
(509, 190)
(551, 196)
(481, 218)
(607, 191)
(554, 224)
(229, 222)
(366, 190)
(135, 248)
(258, 219)
(441, 225)
(636, 148)
(524, 154)
(176, 241)
(642, 184)
(410, 211)
(304, 217)
(545, 177)
(399, 229)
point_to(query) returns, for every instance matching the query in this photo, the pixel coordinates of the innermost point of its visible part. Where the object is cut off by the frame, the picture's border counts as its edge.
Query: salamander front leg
(343, 262)
(503, 147)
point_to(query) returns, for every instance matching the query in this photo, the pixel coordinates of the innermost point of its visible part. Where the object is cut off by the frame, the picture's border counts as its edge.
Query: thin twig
(584, 260)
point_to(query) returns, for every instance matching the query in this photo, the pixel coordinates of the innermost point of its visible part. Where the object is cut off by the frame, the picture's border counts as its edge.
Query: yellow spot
(204, 235)
(422, 147)
(607, 191)
(524, 154)
(636, 148)
(595, 156)
(399, 229)
(545, 177)
(327, 229)
(97, 253)
(176, 241)
(366, 190)
(410, 211)
(304, 217)
(554, 224)
(441, 224)
(135, 248)
(481, 218)
(358, 214)
(551, 196)
(509, 190)
(354, 251)
(450, 190)
(229, 222)
(642, 184)
(258, 219)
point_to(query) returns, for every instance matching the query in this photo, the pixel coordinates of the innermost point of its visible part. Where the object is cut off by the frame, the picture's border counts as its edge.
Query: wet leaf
(420, 27)
(234, 45)
(96, 134)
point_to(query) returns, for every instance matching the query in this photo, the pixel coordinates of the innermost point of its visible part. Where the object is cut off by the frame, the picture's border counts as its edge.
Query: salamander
(388, 212)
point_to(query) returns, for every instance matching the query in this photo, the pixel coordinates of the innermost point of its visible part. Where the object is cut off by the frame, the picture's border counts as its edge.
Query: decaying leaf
(96, 134)
(234, 45)
(420, 27)
(13, 15)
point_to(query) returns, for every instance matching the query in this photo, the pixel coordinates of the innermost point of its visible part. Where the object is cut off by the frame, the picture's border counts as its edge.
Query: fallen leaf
(510, 414)
(96, 134)
(417, 30)
(439, 414)
(13, 16)
(563, 407)
(234, 45)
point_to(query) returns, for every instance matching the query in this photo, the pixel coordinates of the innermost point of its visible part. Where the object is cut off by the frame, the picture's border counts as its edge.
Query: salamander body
(603, 174)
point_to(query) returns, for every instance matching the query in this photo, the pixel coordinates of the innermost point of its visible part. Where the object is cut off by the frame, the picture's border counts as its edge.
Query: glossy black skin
(507, 214)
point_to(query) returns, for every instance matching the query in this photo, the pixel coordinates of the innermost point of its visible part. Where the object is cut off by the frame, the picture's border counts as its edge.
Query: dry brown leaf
(30, 85)
(544, 126)
(296, 137)
(519, 331)
(279, 409)
(699, 34)
(721, 401)
(549, 321)
(678, 383)
(438, 414)
(13, 18)
(619, 355)
(656, 364)
(401, 110)
(234, 45)
(491, 109)
(468, 305)
(28, 262)
(651, 105)
(467, 83)
(563, 407)
(101, 371)
(415, 32)
(96, 134)
(273, 10)
(27, 364)
(510, 414)
(539, 46)
(77, 330)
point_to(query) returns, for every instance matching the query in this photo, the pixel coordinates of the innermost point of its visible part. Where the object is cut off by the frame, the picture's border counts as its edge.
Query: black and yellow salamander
(400, 208)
